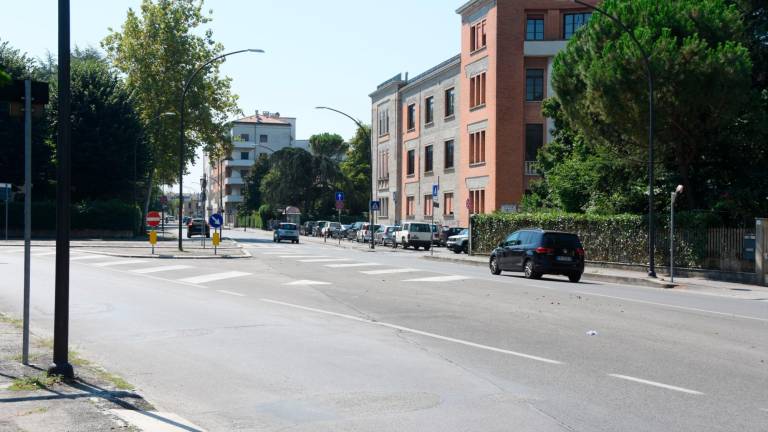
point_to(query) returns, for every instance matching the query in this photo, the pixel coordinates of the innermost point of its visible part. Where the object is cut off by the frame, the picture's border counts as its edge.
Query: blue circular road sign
(216, 220)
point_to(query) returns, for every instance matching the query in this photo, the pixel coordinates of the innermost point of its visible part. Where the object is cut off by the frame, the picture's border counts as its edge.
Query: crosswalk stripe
(307, 282)
(88, 257)
(438, 279)
(161, 269)
(389, 271)
(116, 263)
(214, 277)
(322, 260)
(304, 256)
(43, 254)
(231, 293)
(352, 265)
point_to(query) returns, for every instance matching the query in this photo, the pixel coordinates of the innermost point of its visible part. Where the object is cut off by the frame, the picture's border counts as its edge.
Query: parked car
(331, 229)
(317, 231)
(416, 234)
(538, 252)
(198, 226)
(385, 235)
(435, 234)
(365, 232)
(286, 231)
(447, 232)
(308, 227)
(459, 242)
(353, 229)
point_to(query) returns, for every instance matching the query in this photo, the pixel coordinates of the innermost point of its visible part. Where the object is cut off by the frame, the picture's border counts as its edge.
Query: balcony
(530, 168)
(543, 48)
(234, 180)
(233, 199)
(238, 163)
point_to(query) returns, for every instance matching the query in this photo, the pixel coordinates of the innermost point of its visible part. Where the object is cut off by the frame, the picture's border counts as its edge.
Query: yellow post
(153, 240)
(216, 240)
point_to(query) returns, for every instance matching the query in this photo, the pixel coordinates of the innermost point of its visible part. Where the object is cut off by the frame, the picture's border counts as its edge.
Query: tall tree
(328, 150)
(290, 180)
(356, 170)
(252, 192)
(158, 48)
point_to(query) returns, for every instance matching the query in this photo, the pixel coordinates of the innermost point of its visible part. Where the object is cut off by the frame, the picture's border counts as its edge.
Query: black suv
(537, 252)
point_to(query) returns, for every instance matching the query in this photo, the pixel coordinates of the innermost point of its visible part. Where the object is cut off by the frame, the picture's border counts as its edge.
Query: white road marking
(322, 260)
(352, 265)
(438, 279)
(122, 262)
(275, 253)
(304, 256)
(390, 271)
(307, 282)
(231, 293)
(676, 307)
(656, 384)
(418, 332)
(161, 269)
(214, 277)
(43, 254)
(156, 421)
(88, 257)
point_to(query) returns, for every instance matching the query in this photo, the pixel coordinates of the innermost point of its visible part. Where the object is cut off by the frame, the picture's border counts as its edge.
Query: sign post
(435, 192)
(5, 192)
(153, 220)
(339, 207)
(375, 206)
(469, 207)
(216, 221)
(163, 205)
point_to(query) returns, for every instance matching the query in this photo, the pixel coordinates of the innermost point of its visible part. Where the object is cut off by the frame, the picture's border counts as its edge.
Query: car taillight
(544, 250)
(580, 252)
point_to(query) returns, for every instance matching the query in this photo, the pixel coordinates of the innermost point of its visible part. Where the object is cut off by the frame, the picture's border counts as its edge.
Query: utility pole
(27, 215)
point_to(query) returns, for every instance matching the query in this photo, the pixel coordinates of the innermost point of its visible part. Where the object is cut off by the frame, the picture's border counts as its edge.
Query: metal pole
(672, 238)
(61, 365)
(181, 165)
(27, 214)
(7, 195)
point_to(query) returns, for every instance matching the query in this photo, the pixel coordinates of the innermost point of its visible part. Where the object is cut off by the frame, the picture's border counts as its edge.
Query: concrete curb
(625, 280)
(243, 254)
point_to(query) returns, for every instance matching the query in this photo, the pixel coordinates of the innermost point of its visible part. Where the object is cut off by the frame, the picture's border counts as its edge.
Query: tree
(158, 49)
(252, 191)
(703, 74)
(356, 171)
(290, 180)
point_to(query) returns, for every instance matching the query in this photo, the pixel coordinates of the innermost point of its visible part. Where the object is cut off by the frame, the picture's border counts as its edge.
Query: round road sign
(153, 218)
(216, 220)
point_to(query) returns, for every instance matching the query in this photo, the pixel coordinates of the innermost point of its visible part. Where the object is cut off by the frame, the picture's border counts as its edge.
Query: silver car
(286, 231)
(386, 234)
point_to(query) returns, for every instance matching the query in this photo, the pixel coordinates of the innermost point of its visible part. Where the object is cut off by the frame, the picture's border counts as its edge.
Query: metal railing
(530, 168)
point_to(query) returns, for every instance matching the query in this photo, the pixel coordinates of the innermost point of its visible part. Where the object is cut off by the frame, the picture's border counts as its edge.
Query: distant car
(286, 231)
(308, 227)
(198, 226)
(353, 229)
(385, 235)
(447, 232)
(317, 231)
(365, 233)
(416, 234)
(538, 252)
(330, 229)
(435, 235)
(459, 243)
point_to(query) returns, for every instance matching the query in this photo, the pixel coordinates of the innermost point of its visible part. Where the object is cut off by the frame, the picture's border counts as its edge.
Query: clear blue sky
(331, 52)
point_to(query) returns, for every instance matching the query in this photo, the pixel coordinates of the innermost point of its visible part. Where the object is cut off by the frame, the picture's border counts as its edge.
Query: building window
(263, 138)
(572, 22)
(477, 36)
(243, 137)
(428, 205)
(448, 204)
(477, 201)
(227, 190)
(384, 209)
(383, 122)
(449, 154)
(428, 159)
(411, 117)
(534, 84)
(410, 206)
(477, 90)
(450, 102)
(534, 29)
(383, 165)
(429, 110)
(243, 155)
(477, 147)
(411, 162)
(534, 140)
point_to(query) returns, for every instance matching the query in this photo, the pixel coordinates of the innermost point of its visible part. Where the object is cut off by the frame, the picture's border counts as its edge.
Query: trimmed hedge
(104, 215)
(252, 220)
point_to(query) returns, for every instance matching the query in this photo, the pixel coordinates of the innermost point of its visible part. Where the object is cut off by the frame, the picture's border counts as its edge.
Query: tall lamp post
(367, 135)
(181, 127)
(651, 120)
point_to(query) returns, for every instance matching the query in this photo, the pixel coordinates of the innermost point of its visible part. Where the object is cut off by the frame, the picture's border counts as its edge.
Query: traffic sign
(163, 199)
(339, 196)
(216, 220)
(153, 218)
(375, 206)
(339, 205)
(435, 190)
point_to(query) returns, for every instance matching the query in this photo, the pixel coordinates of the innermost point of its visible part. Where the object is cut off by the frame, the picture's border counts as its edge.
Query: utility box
(761, 251)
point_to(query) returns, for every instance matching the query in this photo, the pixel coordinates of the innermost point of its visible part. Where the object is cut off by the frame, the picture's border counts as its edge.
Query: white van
(416, 234)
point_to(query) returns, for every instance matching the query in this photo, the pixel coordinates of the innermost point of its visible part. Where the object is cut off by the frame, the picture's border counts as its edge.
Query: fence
(712, 248)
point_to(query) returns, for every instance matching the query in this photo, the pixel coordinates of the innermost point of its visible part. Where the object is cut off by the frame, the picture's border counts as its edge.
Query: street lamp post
(368, 136)
(651, 121)
(181, 127)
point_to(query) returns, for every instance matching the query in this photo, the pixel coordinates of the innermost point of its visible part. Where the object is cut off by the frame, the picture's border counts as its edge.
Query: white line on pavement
(307, 282)
(656, 384)
(675, 307)
(88, 257)
(156, 421)
(322, 260)
(418, 332)
(304, 256)
(352, 265)
(214, 277)
(42, 254)
(161, 269)
(231, 293)
(438, 279)
(390, 271)
(114, 263)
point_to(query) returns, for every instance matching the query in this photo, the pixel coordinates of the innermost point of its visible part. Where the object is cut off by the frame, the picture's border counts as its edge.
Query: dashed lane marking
(122, 262)
(231, 293)
(656, 384)
(322, 260)
(451, 278)
(418, 332)
(214, 277)
(42, 254)
(306, 282)
(304, 256)
(390, 271)
(88, 257)
(352, 265)
(161, 269)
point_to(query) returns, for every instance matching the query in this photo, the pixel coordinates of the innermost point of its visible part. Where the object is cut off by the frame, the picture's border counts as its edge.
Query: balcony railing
(233, 199)
(234, 180)
(238, 163)
(530, 168)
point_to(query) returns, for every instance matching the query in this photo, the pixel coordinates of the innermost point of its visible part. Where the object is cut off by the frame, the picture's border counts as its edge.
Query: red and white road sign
(153, 218)
(339, 205)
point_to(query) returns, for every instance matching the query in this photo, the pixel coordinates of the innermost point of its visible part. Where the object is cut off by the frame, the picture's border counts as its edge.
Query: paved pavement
(313, 337)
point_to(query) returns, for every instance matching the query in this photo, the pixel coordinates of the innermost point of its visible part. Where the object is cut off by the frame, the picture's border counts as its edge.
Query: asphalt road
(312, 337)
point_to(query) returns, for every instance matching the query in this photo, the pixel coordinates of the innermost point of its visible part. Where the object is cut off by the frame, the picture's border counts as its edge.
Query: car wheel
(457, 251)
(426, 248)
(530, 273)
(394, 244)
(465, 249)
(574, 277)
(494, 266)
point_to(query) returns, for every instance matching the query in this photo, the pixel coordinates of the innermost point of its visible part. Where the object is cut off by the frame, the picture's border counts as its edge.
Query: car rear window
(561, 240)
(286, 226)
(421, 228)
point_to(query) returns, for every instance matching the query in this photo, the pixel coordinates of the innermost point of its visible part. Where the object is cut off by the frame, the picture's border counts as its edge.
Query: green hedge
(616, 238)
(252, 220)
(108, 215)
